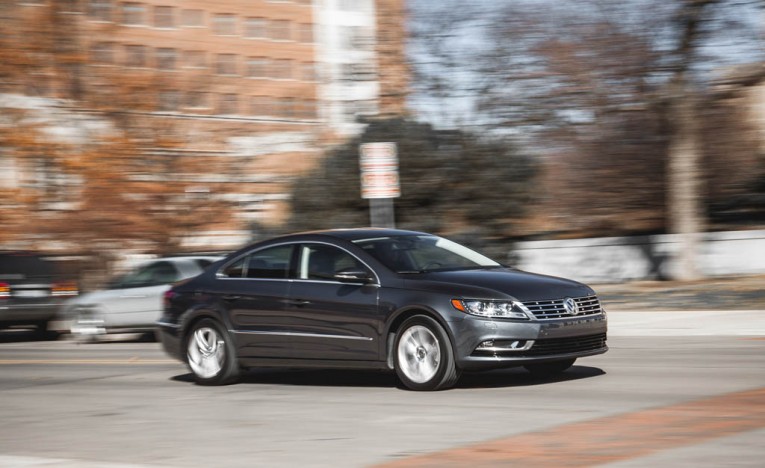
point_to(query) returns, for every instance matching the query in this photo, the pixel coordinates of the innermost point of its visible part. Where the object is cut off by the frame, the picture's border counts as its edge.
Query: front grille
(573, 344)
(545, 310)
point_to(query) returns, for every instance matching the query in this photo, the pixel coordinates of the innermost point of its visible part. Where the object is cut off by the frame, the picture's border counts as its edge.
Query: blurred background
(604, 141)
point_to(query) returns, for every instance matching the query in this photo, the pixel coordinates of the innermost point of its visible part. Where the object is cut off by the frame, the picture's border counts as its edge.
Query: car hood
(521, 285)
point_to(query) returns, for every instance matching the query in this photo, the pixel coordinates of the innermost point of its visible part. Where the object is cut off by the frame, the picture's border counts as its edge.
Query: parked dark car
(31, 291)
(412, 302)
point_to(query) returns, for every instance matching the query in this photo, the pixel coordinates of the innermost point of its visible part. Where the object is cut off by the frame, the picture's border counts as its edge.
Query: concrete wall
(619, 259)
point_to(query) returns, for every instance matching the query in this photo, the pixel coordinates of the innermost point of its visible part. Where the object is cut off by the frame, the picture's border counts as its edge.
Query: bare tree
(605, 93)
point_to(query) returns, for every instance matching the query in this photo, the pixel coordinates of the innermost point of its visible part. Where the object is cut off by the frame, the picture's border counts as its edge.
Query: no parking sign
(379, 170)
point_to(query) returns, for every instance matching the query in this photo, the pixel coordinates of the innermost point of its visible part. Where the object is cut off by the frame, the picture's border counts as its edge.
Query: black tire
(549, 369)
(210, 353)
(43, 332)
(423, 355)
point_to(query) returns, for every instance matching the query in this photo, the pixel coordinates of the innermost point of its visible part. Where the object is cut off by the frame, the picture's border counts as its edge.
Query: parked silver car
(133, 302)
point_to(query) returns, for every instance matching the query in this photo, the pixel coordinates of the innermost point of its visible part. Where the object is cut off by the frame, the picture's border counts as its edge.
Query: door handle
(231, 298)
(298, 302)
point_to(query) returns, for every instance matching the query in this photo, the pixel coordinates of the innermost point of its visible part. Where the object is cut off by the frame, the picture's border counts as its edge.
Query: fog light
(498, 346)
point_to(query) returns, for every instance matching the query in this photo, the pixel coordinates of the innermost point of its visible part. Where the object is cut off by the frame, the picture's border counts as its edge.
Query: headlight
(494, 309)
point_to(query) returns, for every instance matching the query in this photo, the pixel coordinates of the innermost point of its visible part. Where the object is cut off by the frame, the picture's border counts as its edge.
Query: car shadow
(514, 377)
(18, 335)
(518, 377)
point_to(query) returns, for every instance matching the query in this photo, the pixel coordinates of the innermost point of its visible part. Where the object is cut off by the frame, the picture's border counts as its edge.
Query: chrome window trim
(308, 335)
(343, 283)
(219, 274)
(300, 253)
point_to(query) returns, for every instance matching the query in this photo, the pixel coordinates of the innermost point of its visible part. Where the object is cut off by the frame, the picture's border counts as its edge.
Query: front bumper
(514, 343)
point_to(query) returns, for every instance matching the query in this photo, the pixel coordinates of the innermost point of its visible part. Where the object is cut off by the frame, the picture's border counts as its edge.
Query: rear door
(254, 289)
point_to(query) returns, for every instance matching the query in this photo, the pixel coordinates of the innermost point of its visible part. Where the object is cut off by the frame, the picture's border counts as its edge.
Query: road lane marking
(612, 438)
(131, 361)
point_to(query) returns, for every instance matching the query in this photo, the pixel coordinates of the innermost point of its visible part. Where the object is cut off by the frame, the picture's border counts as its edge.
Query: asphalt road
(694, 396)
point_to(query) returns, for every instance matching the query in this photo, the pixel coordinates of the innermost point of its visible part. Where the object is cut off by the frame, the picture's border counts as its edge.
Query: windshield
(419, 254)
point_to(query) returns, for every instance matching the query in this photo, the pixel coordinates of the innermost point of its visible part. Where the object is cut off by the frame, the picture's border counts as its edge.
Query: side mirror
(353, 276)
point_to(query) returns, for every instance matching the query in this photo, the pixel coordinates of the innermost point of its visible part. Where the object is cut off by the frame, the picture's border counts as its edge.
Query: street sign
(379, 170)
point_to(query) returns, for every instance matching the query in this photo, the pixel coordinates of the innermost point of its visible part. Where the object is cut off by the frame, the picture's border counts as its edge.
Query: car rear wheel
(423, 355)
(210, 354)
(548, 369)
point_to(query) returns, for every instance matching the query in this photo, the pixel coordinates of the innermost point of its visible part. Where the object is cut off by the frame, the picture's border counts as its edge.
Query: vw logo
(570, 305)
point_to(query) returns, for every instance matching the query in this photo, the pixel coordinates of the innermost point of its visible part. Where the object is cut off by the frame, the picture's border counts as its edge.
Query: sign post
(379, 181)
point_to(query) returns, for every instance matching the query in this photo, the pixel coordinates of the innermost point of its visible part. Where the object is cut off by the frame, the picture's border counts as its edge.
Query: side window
(150, 275)
(236, 269)
(271, 263)
(163, 273)
(322, 262)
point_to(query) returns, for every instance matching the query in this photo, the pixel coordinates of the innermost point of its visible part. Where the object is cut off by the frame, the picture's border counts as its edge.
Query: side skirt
(312, 363)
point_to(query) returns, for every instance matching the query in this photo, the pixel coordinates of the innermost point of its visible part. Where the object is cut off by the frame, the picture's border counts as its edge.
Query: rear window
(22, 266)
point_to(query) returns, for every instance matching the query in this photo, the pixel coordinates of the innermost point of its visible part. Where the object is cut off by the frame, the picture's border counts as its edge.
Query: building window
(255, 27)
(261, 105)
(357, 38)
(287, 107)
(166, 58)
(70, 6)
(305, 109)
(305, 33)
(228, 104)
(224, 24)
(135, 55)
(168, 101)
(280, 30)
(133, 14)
(194, 59)
(359, 6)
(100, 10)
(367, 107)
(357, 72)
(164, 17)
(197, 100)
(102, 53)
(308, 71)
(225, 64)
(281, 69)
(192, 18)
(258, 67)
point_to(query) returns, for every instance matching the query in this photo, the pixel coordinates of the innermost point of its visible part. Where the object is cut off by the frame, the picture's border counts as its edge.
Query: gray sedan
(418, 304)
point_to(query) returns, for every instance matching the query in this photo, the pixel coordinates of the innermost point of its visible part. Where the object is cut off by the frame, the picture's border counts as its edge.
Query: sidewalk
(714, 294)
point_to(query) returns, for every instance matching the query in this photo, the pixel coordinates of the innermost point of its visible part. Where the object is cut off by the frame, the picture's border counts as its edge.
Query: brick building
(267, 83)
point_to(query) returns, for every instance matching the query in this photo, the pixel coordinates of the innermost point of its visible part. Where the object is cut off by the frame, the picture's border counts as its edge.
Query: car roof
(361, 233)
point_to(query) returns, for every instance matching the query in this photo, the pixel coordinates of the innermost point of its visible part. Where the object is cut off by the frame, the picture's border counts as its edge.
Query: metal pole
(381, 213)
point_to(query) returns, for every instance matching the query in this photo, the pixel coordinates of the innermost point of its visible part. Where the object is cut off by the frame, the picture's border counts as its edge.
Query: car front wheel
(210, 354)
(423, 355)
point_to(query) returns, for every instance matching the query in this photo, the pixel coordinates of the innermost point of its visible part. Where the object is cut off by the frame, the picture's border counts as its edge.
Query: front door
(331, 319)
